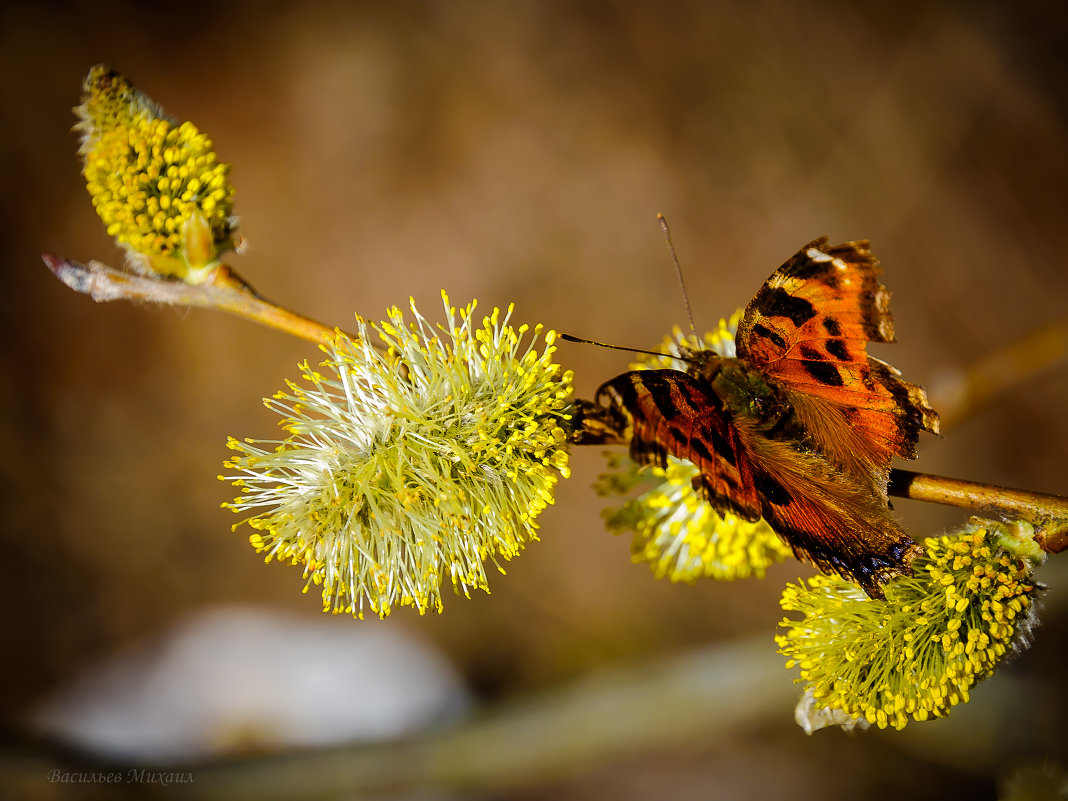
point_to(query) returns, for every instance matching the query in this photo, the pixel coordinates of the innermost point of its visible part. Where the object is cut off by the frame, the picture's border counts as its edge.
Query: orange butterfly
(800, 427)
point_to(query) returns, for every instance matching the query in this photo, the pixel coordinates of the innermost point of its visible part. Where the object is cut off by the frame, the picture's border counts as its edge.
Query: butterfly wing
(828, 518)
(662, 412)
(808, 329)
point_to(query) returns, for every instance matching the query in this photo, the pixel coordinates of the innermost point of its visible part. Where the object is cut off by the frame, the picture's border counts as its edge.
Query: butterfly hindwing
(808, 328)
(827, 517)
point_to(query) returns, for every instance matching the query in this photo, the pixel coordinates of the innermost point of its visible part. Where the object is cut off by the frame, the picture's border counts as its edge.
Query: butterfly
(800, 427)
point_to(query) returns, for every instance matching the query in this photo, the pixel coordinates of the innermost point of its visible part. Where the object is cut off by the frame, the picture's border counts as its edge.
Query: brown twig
(1047, 513)
(226, 291)
(958, 394)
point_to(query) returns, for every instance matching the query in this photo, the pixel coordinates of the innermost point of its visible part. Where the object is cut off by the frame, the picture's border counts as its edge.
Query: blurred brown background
(519, 152)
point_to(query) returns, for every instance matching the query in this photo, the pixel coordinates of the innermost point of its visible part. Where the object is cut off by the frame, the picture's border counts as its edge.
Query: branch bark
(1047, 513)
(226, 291)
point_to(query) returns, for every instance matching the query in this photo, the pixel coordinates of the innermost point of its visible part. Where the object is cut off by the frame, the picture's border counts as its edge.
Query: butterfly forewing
(671, 412)
(808, 329)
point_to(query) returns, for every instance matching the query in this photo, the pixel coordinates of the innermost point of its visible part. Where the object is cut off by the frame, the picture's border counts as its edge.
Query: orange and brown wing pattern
(808, 328)
(828, 518)
(669, 412)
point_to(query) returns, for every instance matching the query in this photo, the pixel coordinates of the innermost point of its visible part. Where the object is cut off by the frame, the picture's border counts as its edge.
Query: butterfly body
(800, 426)
(747, 393)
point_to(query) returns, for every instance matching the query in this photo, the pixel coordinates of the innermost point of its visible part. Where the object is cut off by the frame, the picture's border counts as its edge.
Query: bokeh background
(519, 152)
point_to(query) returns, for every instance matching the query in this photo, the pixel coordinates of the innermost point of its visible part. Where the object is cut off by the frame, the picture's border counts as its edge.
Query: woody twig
(225, 291)
(1047, 513)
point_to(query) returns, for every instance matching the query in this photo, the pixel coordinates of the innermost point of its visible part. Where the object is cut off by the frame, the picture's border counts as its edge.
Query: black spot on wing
(663, 399)
(623, 387)
(804, 267)
(767, 333)
(771, 490)
(699, 448)
(809, 352)
(722, 447)
(838, 349)
(778, 302)
(598, 425)
(824, 372)
(679, 435)
(832, 327)
(801, 266)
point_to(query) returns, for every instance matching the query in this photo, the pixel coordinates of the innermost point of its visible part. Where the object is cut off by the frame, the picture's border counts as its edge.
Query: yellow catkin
(408, 468)
(157, 185)
(881, 656)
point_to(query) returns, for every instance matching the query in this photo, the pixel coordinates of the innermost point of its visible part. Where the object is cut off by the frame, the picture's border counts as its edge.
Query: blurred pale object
(239, 678)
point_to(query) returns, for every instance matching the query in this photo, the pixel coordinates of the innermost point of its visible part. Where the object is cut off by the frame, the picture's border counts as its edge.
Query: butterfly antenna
(661, 354)
(678, 272)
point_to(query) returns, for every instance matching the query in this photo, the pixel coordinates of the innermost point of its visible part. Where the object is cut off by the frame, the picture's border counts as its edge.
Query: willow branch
(1047, 513)
(226, 291)
(958, 394)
